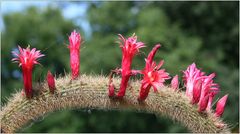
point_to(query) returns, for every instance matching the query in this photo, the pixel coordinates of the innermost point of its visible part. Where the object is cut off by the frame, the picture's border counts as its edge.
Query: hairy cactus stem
(92, 92)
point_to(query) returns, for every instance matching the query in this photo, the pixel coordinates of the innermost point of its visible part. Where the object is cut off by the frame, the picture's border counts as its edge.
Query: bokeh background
(202, 32)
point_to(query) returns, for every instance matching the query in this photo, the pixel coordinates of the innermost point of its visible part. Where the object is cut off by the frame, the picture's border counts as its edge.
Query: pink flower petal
(221, 106)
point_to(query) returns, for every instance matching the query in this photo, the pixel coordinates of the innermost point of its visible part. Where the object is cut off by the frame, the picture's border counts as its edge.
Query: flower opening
(153, 76)
(26, 59)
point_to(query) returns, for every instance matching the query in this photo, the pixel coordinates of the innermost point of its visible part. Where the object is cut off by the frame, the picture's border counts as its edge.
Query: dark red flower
(74, 46)
(27, 58)
(51, 82)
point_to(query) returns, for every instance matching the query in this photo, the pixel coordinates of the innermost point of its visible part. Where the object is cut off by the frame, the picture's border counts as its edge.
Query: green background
(202, 32)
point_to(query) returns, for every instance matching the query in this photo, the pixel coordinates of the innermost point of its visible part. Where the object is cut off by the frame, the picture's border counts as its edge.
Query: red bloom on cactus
(191, 76)
(27, 58)
(209, 88)
(197, 92)
(74, 46)
(221, 106)
(152, 76)
(203, 104)
(198, 86)
(129, 47)
(51, 82)
(174, 82)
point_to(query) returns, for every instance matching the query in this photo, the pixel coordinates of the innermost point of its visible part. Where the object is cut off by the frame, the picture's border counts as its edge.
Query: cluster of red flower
(199, 87)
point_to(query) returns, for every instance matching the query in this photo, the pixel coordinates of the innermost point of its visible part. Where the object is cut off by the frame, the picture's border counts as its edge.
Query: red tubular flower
(197, 92)
(152, 76)
(203, 104)
(220, 106)
(74, 46)
(191, 76)
(209, 88)
(174, 82)
(27, 58)
(51, 82)
(198, 86)
(130, 47)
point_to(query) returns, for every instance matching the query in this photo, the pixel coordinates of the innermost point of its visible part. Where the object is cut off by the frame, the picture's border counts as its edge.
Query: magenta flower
(198, 86)
(27, 58)
(130, 47)
(51, 82)
(197, 92)
(220, 106)
(203, 104)
(74, 46)
(191, 76)
(152, 76)
(209, 88)
(175, 83)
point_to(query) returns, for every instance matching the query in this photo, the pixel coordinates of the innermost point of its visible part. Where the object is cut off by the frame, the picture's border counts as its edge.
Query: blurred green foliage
(202, 32)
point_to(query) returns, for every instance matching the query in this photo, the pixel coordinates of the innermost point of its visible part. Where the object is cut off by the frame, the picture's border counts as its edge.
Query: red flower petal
(203, 104)
(221, 105)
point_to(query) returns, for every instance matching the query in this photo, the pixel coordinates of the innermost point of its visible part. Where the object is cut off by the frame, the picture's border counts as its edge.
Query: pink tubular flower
(203, 104)
(198, 86)
(197, 92)
(27, 58)
(130, 47)
(174, 82)
(191, 76)
(74, 46)
(51, 82)
(220, 106)
(209, 88)
(152, 76)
